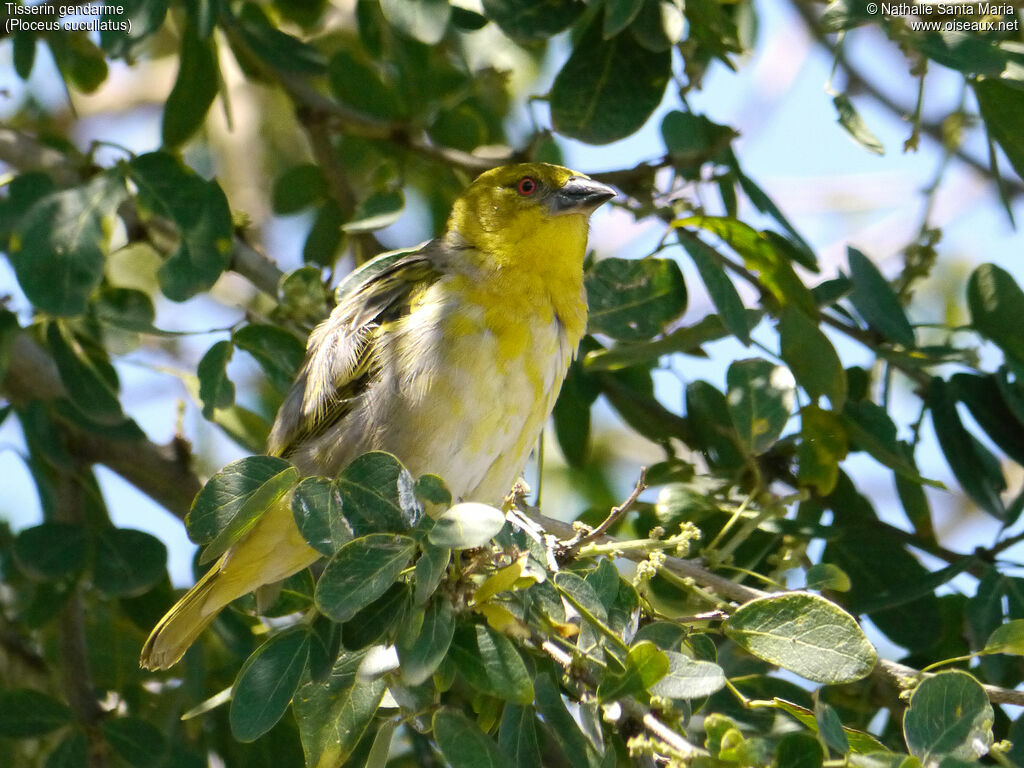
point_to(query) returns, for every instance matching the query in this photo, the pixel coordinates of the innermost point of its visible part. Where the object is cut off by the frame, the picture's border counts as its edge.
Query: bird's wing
(341, 355)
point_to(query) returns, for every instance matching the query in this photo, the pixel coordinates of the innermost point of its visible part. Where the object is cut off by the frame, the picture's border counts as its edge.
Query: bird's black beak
(580, 195)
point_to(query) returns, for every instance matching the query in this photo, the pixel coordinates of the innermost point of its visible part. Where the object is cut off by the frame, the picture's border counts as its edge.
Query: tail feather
(273, 550)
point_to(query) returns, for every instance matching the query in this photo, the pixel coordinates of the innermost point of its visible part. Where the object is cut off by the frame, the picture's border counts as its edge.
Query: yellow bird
(449, 357)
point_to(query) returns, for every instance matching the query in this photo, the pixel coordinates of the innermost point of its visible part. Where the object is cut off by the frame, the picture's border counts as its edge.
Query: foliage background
(347, 128)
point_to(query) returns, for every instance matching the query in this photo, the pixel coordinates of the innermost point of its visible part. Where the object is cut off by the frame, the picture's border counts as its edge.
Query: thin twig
(570, 548)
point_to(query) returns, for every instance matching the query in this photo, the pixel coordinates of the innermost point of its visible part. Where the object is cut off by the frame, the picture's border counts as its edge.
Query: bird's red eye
(526, 186)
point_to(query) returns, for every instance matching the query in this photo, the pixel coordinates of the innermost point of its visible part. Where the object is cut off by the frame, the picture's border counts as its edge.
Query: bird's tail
(183, 623)
(273, 550)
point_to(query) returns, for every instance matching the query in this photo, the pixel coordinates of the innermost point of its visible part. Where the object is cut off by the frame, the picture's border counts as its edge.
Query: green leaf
(608, 88)
(266, 683)
(720, 288)
(860, 742)
(871, 429)
(200, 212)
(466, 526)
(128, 562)
(966, 51)
(23, 53)
(854, 124)
(361, 571)
(688, 678)
(949, 714)
(830, 727)
(811, 357)
(822, 576)
(318, 510)
(233, 500)
(278, 352)
(138, 742)
(1008, 638)
(875, 300)
(517, 736)
(422, 20)
(430, 569)
(1002, 109)
(845, 14)
(421, 655)
(463, 744)
(25, 713)
(713, 432)
(975, 468)
(216, 390)
(576, 749)
(72, 752)
(659, 25)
(125, 308)
(985, 400)
(378, 618)
(297, 188)
(646, 664)
(279, 49)
(379, 210)
(760, 399)
(65, 234)
(333, 715)
(997, 304)
(529, 20)
(805, 634)
(692, 140)
(378, 494)
(80, 60)
(799, 750)
(194, 89)
(52, 551)
(822, 446)
(325, 235)
(619, 14)
(358, 83)
(766, 253)
(633, 300)
(490, 663)
(86, 372)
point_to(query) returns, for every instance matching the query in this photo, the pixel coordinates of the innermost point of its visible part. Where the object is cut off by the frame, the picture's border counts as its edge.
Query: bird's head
(517, 208)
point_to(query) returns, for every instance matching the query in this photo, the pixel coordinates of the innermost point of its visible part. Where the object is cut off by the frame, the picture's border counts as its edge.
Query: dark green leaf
(298, 187)
(713, 433)
(378, 618)
(125, 308)
(619, 14)
(760, 398)
(52, 551)
(128, 562)
(25, 713)
(361, 571)
(532, 19)
(280, 50)
(333, 715)
(845, 14)
(87, 374)
(266, 682)
(823, 445)
(65, 233)
(1002, 108)
(278, 352)
(830, 727)
(421, 655)
(378, 494)
(608, 88)
(965, 51)
(430, 569)
(806, 634)
(381, 209)
(233, 500)
(138, 742)
(875, 300)
(216, 390)
(358, 83)
(422, 20)
(720, 288)
(24, 53)
(811, 357)
(949, 714)
(659, 25)
(854, 124)
(633, 300)
(799, 750)
(871, 429)
(318, 510)
(72, 752)
(984, 399)
(325, 235)
(466, 526)
(975, 468)
(80, 60)
(194, 90)
(576, 749)
(463, 744)
(490, 663)
(997, 304)
(200, 212)
(518, 736)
